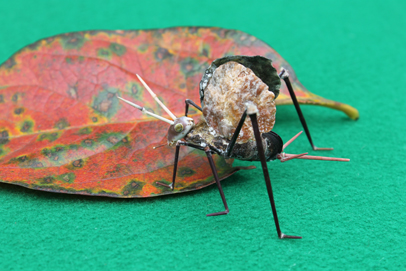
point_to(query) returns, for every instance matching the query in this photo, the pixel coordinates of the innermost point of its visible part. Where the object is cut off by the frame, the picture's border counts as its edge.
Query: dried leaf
(62, 128)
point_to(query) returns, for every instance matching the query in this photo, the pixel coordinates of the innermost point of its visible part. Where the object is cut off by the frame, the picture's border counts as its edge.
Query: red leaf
(62, 128)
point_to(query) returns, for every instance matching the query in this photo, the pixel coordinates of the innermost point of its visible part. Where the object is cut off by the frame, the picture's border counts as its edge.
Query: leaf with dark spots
(64, 130)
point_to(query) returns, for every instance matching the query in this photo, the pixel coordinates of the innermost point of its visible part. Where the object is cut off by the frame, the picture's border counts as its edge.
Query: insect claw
(166, 185)
(283, 236)
(322, 149)
(219, 213)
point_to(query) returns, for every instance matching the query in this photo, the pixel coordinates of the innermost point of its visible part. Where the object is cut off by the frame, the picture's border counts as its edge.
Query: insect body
(233, 88)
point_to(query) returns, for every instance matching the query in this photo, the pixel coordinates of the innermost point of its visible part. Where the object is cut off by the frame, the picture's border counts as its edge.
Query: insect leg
(190, 102)
(285, 76)
(175, 168)
(216, 177)
(266, 176)
(236, 133)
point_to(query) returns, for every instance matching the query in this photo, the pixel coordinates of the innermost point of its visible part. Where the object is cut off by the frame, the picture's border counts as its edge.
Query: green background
(351, 215)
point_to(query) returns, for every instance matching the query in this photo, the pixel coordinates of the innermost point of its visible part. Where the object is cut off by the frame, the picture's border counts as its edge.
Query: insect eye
(179, 127)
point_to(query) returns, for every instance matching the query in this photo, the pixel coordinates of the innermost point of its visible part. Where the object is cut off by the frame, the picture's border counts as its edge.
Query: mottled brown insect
(231, 89)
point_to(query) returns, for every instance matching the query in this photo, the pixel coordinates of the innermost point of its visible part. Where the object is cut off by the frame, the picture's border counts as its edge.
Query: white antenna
(156, 98)
(143, 110)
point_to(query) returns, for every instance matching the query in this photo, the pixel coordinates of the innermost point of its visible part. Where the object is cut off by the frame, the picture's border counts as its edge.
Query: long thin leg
(216, 177)
(285, 76)
(190, 102)
(266, 176)
(175, 168)
(236, 133)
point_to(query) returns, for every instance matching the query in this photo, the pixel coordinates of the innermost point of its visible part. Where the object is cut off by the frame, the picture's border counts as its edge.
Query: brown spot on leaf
(134, 89)
(88, 142)
(162, 53)
(205, 52)
(56, 158)
(26, 127)
(112, 139)
(78, 163)
(18, 111)
(104, 106)
(4, 137)
(14, 98)
(94, 119)
(22, 158)
(48, 180)
(61, 124)
(185, 172)
(10, 63)
(73, 92)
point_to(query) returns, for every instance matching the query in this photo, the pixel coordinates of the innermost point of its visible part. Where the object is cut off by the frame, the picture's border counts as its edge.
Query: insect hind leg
(285, 76)
(261, 155)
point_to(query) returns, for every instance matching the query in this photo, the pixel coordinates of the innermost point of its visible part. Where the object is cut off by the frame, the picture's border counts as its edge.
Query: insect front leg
(190, 102)
(213, 168)
(216, 178)
(261, 154)
(285, 76)
(175, 168)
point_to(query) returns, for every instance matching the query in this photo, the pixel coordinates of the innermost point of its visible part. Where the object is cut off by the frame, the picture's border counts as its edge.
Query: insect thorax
(204, 135)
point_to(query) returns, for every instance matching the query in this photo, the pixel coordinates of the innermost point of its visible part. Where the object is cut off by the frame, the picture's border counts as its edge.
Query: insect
(232, 89)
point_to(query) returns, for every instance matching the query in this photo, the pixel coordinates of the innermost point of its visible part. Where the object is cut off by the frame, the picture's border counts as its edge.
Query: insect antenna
(143, 110)
(156, 98)
(156, 147)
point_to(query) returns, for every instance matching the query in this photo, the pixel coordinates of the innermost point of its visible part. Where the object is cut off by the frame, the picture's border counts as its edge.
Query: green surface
(351, 215)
